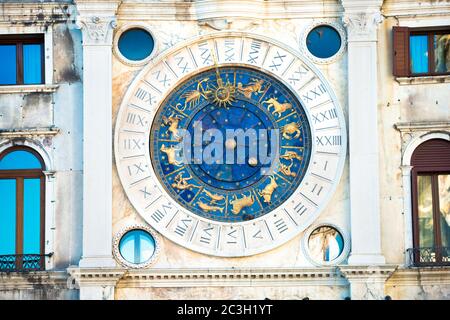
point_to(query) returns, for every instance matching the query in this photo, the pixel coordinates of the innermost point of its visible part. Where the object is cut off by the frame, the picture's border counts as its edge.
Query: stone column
(361, 19)
(97, 19)
(367, 283)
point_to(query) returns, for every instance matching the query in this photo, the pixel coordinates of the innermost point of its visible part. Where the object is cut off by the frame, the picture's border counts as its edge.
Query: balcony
(22, 262)
(430, 256)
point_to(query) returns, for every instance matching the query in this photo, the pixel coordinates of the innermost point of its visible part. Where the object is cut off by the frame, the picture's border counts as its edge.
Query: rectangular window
(22, 59)
(421, 51)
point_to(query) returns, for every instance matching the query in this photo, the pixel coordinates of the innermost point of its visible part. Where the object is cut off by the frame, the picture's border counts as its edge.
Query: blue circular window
(137, 246)
(323, 41)
(136, 44)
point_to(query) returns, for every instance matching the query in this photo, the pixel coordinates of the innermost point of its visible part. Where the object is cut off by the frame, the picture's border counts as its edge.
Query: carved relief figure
(181, 183)
(291, 131)
(207, 208)
(268, 190)
(289, 155)
(241, 203)
(279, 108)
(286, 169)
(172, 121)
(171, 154)
(253, 87)
(192, 98)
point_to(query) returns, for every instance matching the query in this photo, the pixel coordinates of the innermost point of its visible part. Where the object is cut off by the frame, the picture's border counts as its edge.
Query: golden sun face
(224, 95)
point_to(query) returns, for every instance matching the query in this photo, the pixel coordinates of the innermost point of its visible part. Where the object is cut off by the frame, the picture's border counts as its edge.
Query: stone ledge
(232, 277)
(33, 88)
(96, 276)
(29, 132)
(422, 126)
(422, 80)
(420, 276)
(33, 280)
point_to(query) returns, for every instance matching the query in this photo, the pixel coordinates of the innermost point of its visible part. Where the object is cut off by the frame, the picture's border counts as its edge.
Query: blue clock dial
(231, 144)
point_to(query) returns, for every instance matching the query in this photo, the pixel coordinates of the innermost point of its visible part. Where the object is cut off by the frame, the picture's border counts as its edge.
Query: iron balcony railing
(22, 262)
(429, 256)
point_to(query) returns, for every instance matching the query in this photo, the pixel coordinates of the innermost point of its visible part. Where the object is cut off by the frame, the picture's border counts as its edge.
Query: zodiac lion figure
(286, 169)
(279, 108)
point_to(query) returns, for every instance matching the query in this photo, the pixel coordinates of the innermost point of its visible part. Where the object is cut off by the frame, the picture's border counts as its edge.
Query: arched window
(22, 216)
(431, 202)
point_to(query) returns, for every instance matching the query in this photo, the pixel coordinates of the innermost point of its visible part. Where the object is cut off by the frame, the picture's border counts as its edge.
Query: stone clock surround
(98, 19)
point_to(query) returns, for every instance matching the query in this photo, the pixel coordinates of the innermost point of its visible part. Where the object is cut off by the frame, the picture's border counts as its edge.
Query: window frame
(19, 40)
(433, 172)
(19, 175)
(416, 31)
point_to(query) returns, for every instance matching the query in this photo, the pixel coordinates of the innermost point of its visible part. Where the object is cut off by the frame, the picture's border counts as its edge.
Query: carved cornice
(34, 13)
(230, 277)
(420, 276)
(32, 279)
(368, 273)
(95, 276)
(29, 132)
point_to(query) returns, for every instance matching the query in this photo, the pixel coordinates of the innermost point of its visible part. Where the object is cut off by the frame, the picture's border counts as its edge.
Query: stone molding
(420, 276)
(29, 280)
(411, 9)
(368, 273)
(29, 132)
(230, 277)
(362, 26)
(95, 277)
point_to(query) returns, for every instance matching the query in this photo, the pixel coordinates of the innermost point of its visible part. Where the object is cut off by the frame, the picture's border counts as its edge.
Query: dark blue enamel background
(219, 100)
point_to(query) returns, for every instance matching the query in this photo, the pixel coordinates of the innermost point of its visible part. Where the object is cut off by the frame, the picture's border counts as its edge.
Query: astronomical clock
(230, 144)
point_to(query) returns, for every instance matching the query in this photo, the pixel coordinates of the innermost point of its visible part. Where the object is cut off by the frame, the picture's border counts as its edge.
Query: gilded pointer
(172, 121)
(252, 87)
(239, 204)
(289, 155)
(291, 131)
(171, 156)
(207, 208)
(279, 108)
(181, 183)
(192, 98)
(268, 190)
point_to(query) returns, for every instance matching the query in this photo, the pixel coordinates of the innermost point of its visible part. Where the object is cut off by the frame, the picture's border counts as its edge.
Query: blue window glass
(19, 159)
(418, 48)
(137, 246)
(136, 44)
(32, 63)
(8, 74)
(8, 216)
(323, 42)
(31, 216)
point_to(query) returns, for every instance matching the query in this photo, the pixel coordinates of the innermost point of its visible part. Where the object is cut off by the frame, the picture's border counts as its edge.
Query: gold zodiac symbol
(289, 155)
(286, 169)
(289, 130)
(279, 108)
(252, 87)
(239, 204)
(192, 98)
(214, 197)
(171, 157)
(206, 207)
(268, 190)
(172, 121)
(181, 183)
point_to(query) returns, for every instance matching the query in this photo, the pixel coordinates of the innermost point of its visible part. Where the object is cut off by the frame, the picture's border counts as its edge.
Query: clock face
(230, 145)
(247, 151)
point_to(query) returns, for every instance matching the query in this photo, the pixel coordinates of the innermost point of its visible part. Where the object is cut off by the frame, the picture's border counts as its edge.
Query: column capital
(97, 19)
(362, 17)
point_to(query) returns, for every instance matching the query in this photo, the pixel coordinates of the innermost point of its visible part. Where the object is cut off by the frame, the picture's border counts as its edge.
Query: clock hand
(216, 65)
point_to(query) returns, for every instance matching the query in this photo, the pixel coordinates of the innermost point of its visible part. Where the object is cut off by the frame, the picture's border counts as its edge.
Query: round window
(137, 246)
(136, 44)
(325, 244)
(323, 41)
